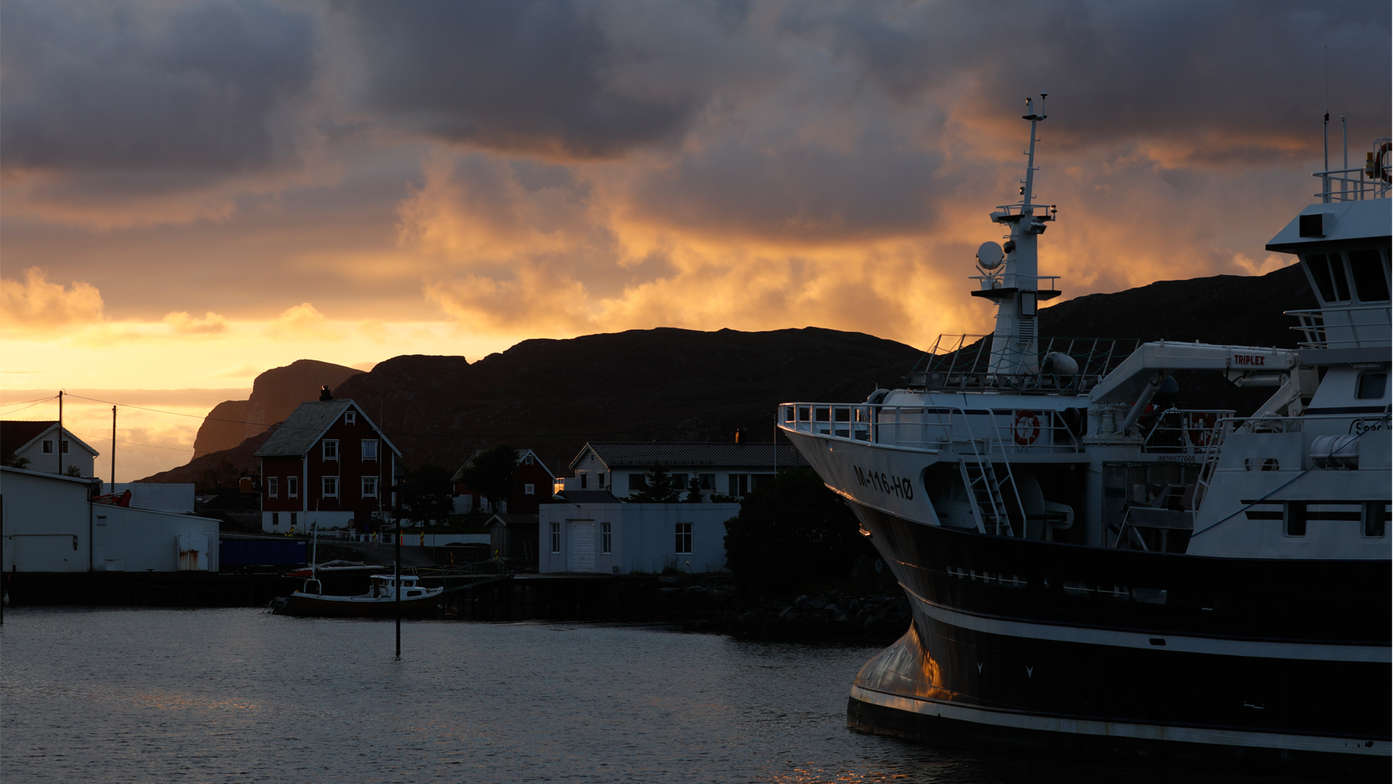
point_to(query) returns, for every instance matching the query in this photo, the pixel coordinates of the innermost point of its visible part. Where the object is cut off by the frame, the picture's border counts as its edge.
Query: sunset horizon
(225, 188)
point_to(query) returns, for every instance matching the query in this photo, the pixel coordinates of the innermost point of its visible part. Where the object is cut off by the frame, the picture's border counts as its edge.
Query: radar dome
(989, 255)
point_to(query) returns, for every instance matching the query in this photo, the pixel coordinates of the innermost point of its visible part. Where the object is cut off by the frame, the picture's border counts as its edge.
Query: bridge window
(1370, 385)
(1296, 519)
(1329, 275)
(1375, 518)
(1370, 275)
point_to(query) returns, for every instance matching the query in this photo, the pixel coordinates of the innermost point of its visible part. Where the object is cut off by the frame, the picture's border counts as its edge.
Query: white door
(581, 540)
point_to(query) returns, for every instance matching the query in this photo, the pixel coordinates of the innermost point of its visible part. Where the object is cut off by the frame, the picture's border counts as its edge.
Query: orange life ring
(1200, 427)
(1026, 428)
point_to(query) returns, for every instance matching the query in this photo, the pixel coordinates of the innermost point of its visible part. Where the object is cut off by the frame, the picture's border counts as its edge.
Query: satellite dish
(989, 255)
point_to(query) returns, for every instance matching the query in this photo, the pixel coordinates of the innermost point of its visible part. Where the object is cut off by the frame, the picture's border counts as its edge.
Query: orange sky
(196, 192)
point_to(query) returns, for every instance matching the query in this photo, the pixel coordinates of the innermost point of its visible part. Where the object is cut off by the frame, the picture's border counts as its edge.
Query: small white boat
(381, 600)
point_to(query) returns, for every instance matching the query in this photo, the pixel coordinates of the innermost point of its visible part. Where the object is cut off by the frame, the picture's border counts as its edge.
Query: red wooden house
(327, 464)
(532, 483)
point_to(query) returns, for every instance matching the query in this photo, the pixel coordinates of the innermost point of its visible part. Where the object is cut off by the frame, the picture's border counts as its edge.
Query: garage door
(580, 538)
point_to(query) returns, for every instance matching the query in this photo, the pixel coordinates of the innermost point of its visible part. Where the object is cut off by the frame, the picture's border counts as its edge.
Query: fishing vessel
(1091, 567)
(380, 601)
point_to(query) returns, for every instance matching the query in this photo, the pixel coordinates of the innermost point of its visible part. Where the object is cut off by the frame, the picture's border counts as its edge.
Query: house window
(606, 538)
(329, 486)
(738, 484)
(331, 449)
(582, 480)
(1371, 385)
(48, 447)
(369, 448)
(63, 446)
(556, 537)
(292, 520)
(275, 519)
(273, 487)
(684, 538)
(369, 487)
(708, 481)
(292, 487)
(529, 489)
(350, 417)
(601, 477)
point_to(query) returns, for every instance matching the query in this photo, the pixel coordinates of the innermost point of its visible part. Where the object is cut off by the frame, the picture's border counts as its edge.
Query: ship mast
(1010, 273)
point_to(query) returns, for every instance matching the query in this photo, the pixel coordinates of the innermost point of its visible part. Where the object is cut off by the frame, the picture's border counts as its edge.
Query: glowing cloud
(34, 303)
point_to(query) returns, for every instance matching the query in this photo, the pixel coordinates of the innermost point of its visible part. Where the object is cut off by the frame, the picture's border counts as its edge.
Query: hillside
(673, 384)
(275, 393)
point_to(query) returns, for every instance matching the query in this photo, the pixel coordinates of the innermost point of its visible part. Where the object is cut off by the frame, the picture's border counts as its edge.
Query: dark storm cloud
(799, 193)
(544, 77)
(174, 96)
(1253, 73)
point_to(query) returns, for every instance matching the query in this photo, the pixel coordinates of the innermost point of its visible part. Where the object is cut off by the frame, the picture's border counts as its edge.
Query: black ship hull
(1132, 653)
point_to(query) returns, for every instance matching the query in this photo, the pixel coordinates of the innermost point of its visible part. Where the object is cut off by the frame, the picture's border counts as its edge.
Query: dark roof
(679, 454)
(307, 424)
(519, 454)
(584, 497)
(16, 433)
(513, 518)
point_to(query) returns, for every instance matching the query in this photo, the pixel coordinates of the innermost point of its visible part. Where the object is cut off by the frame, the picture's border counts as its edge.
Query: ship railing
(962, 362)
(1035, 283)
(1344, 327)
(935, 428)
(1188, 431)
(1349, 185)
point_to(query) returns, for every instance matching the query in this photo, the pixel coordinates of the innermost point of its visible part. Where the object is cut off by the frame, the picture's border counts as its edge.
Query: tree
(657, 488)
(693, 491)
(490, 474)
(425, 494)
(791, 532)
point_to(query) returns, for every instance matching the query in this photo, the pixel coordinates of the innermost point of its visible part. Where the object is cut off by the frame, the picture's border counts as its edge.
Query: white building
(721, 470)
(38, 446)
(51, 525)
(614, 537)
(590, 528)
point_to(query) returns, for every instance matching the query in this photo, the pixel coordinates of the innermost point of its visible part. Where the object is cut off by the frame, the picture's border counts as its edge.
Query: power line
(28, 404)
(170, 413)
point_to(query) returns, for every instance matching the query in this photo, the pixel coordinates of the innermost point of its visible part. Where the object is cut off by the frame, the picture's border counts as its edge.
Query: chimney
(324, 393)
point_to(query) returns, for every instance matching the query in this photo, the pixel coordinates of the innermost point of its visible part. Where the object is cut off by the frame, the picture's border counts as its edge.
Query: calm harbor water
(242, 695)
(216, 695)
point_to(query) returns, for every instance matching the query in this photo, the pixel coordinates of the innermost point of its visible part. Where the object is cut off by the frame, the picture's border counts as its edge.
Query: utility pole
(113, 449)
(60, 432)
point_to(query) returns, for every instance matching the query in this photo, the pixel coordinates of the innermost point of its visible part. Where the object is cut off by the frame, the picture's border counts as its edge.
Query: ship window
(1319, 265)
(1337, 271)
(1296, 519)
(1375, 518)
(1370, 281)
(1371, 385)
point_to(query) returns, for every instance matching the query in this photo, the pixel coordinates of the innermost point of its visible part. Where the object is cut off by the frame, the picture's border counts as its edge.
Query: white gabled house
(728, 470)
(39, 446)
(590, 528)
